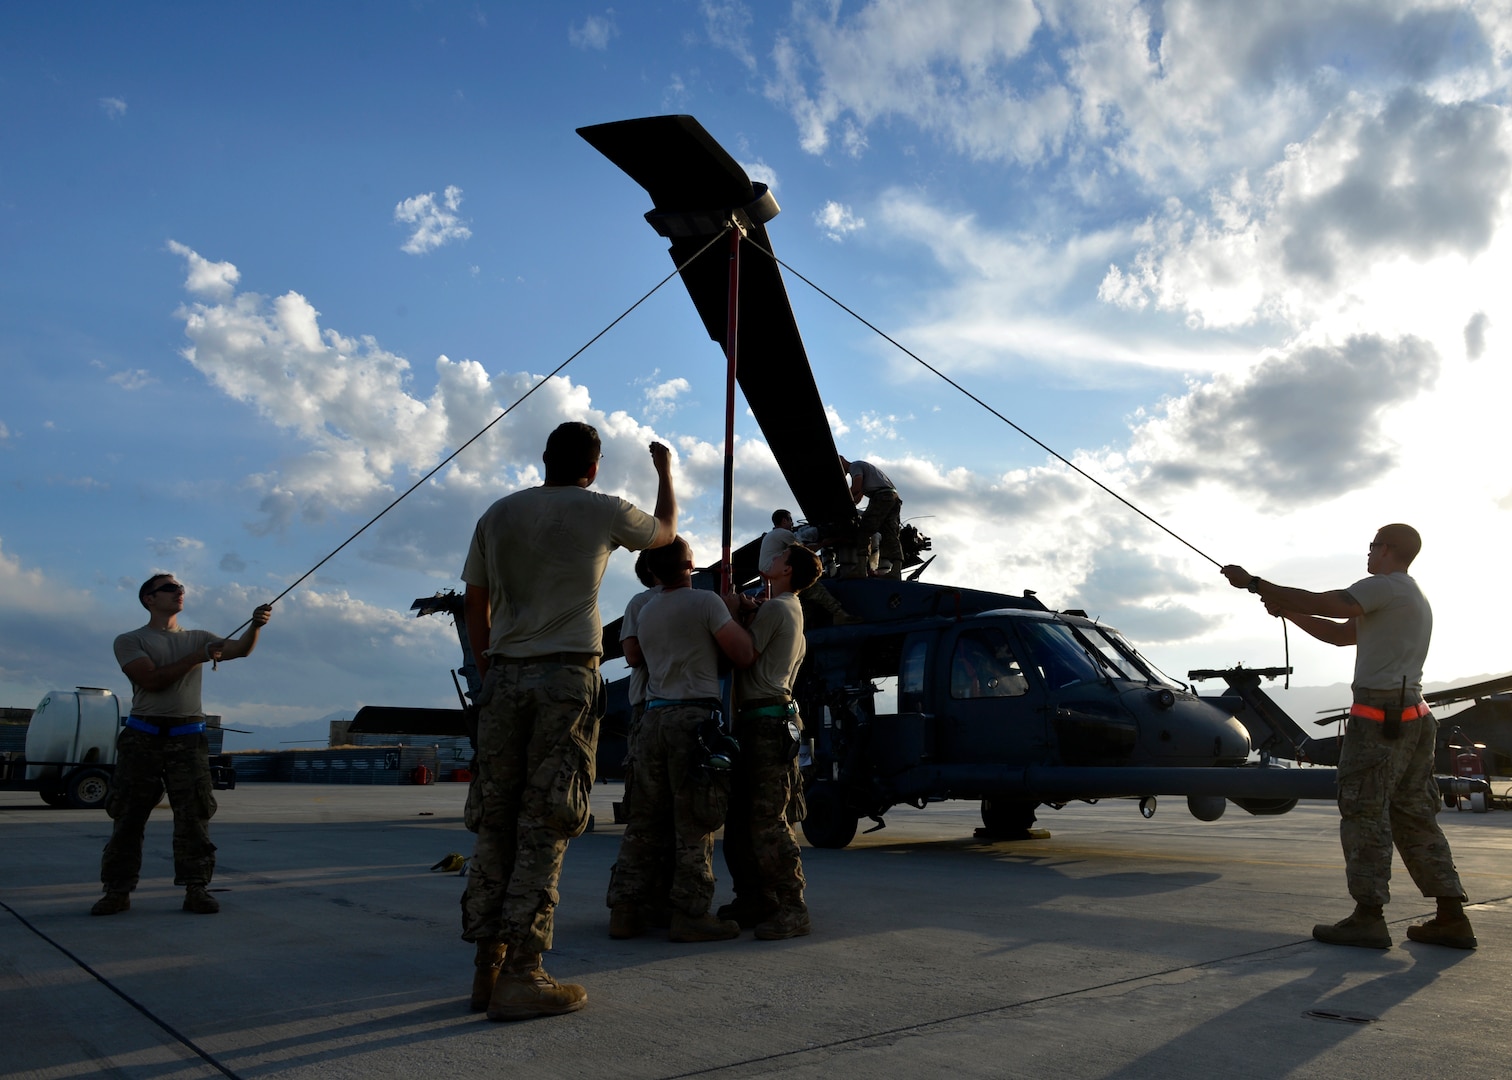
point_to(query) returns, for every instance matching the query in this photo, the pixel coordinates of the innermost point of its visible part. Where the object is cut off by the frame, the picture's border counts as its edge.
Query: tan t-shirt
(630, 628)
(777, 632)
(677, 629)
(164, 647)
(541, 554)
(1392, 636)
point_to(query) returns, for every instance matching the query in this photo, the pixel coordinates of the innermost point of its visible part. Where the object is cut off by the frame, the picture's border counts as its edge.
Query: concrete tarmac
(1118, 947)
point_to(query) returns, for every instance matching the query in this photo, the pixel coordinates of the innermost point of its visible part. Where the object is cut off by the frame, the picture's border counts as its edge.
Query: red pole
(732, 329)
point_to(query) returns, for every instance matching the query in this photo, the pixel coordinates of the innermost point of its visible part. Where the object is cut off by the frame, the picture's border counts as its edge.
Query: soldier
(883, 513)
(680, 800)
(778, 539)
(163, 746)
(533, 572)
(760, 849)
(1386, 788)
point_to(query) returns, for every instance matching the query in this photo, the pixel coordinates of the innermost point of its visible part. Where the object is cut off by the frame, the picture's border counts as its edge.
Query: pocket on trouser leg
(797, 807)
(571, 786)
(708, 798)
(472, 810)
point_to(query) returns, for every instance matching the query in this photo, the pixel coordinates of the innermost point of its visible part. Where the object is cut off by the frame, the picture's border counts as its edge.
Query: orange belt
(1367, 712)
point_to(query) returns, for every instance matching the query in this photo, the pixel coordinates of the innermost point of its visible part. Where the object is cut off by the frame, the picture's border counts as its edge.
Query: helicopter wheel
(1008, 820)
(830, 822)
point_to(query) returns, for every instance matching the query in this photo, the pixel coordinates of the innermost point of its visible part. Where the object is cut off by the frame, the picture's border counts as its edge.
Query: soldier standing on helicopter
(883, 513)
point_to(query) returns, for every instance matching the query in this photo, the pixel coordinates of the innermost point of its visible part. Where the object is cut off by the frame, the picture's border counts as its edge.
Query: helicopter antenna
(936, 371)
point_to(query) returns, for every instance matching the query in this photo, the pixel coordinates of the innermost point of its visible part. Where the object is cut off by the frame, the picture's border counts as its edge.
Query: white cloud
(113, 107)
(728, 23)
(135, 379)
(216, 280)
(838, 220)
(661, 399)
(1475, 335)
(434, 223)
(5, 432)
(761, 172)
(175, 547)
(594, 32)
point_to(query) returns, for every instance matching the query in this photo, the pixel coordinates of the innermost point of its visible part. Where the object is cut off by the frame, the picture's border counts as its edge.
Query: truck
(71, 748)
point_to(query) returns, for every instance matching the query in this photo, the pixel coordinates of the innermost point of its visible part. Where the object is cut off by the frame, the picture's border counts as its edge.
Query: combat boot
(525, 991)
(748, 913)
(112, 903)
(789, 921)
(705, 927)
(486, 964)
(1449, 927)
(626, 921)
(1365, 928)
(198, 900)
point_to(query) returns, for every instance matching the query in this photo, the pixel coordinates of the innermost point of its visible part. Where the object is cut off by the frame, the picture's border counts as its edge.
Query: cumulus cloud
(217, 280)
(954, 69)
(113, 107)
(232, 563)
(761, 172)
(594, 32)
(434, 223)
(838, 220)
(1410, 178)
(1300, 427)
(661, 399)
(5, 432)
(174, 547)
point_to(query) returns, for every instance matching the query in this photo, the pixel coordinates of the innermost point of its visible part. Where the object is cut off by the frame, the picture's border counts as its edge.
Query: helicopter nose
(1232, 741)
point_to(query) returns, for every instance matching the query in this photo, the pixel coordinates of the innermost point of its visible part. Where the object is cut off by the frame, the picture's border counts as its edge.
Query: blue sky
(265, 266)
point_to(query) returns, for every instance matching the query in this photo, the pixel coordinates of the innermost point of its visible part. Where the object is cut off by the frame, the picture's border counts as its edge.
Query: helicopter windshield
(1106, 649)
(1155, 675)
(1062, 660)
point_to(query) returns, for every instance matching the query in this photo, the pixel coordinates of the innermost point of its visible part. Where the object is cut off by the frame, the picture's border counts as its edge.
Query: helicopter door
(988, 710)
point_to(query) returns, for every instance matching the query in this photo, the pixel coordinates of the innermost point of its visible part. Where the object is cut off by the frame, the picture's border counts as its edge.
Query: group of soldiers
(532, 577)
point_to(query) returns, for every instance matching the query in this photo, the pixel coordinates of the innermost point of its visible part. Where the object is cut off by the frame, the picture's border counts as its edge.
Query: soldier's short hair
(667, 562)
(643, 568)
(805, 565)
(572, 450)
(148, 586)
(778, 515)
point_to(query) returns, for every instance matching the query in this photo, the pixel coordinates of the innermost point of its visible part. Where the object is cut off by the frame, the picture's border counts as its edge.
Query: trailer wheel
(830, 822)
(54, 796)
(87, 789)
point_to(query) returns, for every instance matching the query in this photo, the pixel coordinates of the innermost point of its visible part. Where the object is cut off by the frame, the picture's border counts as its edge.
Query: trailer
(71, 750)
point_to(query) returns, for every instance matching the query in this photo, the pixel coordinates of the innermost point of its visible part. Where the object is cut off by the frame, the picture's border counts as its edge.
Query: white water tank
(72, 727)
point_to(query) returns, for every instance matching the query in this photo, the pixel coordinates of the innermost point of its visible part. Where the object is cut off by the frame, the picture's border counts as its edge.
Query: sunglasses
(174, 588)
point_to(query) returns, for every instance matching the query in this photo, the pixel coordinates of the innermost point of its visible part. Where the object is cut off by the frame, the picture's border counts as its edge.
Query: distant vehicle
(71, 750)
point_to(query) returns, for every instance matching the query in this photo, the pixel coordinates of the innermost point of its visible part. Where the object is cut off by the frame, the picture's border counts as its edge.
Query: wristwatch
(1254, 584)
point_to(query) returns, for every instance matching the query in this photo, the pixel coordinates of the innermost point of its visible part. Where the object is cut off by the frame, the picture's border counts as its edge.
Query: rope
(518, 401)
(936, 371)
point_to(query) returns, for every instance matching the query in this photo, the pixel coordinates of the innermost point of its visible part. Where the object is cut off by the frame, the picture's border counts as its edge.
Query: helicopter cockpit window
(911, 676)
(1119, 665)
(983, 666)
(1060, 657)
(1156, 675)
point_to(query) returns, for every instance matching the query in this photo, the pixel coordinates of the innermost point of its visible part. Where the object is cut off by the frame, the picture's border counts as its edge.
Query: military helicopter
(936, 692)
(998, 698)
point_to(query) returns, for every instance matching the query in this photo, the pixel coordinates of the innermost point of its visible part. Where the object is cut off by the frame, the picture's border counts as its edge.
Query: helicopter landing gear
(1005, 820)
(1147, 807)
(830, 821)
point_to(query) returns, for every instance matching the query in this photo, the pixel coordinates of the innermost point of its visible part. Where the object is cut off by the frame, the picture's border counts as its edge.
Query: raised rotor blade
(696, 187)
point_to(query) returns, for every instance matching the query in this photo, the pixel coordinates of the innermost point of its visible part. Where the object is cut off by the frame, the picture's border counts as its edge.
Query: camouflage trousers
(760, 849)
(674, 806)
(1387, 795)
(883, 515)
(537, 736)
(146, 766)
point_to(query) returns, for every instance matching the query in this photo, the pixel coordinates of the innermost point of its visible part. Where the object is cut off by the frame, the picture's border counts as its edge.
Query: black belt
(577, 659)
(881, 491)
